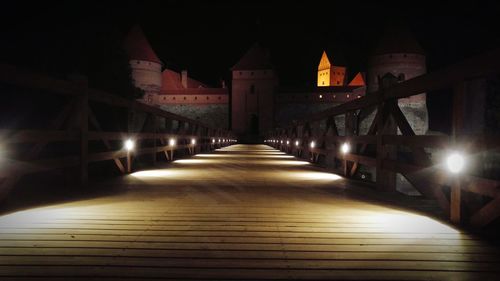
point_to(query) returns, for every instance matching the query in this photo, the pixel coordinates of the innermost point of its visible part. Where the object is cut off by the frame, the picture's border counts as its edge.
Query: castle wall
(212, 115)
(193, 99)
(337, 76)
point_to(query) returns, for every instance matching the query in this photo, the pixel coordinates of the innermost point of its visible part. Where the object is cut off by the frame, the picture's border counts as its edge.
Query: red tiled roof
(137, 46)
(358, 80)
(255, 58)
(171, 80)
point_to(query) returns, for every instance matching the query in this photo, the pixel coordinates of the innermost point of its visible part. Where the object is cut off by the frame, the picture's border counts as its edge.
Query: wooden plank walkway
(242, 213)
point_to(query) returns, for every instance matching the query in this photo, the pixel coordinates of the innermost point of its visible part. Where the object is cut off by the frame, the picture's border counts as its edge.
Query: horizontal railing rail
(317, 138)
(77, 123)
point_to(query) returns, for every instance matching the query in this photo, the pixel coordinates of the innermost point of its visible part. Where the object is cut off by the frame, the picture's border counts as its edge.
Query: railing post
(83, 105)
(349, 131)
(457, 127)
(386, 180)
(155, 136)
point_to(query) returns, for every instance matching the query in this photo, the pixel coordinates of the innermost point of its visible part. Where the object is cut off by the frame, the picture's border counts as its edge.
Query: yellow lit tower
(330, 75)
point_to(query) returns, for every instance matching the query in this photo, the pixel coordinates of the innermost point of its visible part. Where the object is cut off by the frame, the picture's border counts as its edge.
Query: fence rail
(381, 147)
(77, 123)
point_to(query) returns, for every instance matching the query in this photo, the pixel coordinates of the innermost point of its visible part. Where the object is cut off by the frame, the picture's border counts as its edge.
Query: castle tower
(400, 54)
(146, 66)
(253, 83)
(328, 74)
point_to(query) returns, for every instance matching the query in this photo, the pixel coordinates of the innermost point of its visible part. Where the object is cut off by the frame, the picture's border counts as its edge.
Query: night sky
(208, 37)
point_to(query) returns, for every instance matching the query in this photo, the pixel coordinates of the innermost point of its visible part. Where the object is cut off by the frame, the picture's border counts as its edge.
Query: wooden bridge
(244, 212)
(188, 203)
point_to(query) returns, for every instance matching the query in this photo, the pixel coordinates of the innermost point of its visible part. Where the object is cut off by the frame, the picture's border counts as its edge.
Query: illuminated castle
(174, 91)
(332, 75)
(259, 103)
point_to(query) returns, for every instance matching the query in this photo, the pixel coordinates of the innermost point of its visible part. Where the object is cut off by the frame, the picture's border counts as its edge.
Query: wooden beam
(455, 199)
(417, 140)
(83, 107)
(38, 136)
(486, 214)
(95, 122)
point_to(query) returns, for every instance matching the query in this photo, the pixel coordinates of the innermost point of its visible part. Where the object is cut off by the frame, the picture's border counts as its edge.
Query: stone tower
(400, 54)
(145, 64)
(328, 74)
(252, 105)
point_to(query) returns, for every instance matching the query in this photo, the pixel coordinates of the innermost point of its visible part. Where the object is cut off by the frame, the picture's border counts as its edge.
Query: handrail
(190, 135)
(382, 140)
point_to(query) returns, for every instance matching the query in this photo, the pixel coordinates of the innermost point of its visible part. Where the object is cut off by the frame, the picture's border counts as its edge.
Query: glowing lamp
(129, 145)
(281, 142)
(287, 142)
(213, 140)
(345, 147)
(297, 143)
(455, 162)
(171, 142)
(219, 140)
(193, 141)
(313, 144)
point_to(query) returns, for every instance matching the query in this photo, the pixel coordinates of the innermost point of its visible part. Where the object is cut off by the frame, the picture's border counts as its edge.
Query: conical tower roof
(396, 40)
(255, 58)
(324, 62)
(137, 46)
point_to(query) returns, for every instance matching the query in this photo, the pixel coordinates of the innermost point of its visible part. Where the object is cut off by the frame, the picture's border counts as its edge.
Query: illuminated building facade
(174, 91)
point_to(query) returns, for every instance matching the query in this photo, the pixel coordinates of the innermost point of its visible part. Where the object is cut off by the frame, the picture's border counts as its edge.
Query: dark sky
(208, 37)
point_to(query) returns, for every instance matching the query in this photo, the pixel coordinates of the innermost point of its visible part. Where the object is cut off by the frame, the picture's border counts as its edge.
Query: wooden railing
(465, 198)
(77, 123)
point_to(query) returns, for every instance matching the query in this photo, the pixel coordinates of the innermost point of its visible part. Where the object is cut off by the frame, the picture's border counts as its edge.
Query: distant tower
(253, 86)
(146, 66)
(400, 54)
(330, 75)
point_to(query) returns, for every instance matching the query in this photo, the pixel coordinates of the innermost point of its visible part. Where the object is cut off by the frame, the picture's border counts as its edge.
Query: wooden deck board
(242, 213)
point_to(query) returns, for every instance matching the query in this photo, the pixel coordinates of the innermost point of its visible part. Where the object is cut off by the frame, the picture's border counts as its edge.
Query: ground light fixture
(455, 162)
(129, 144)
(313, 144)
(171, 142)
(345, 147)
